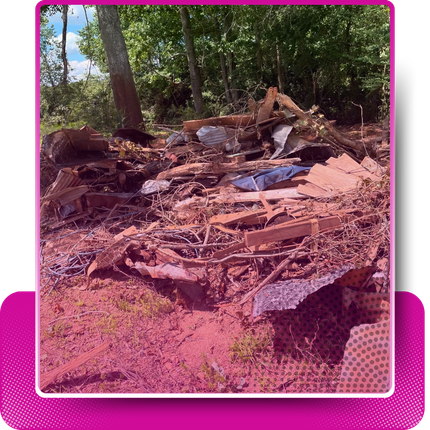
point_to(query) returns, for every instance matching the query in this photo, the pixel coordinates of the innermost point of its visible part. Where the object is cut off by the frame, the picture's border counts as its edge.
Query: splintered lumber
(229, 121)
(267, 106)
(259, 216)
(50, 377)
(222, 168)
(255, 196)
(340, 175)
(291, 106)
(290, 230)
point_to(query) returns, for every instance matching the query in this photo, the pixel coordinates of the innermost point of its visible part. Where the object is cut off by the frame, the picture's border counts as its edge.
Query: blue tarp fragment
(264, 179)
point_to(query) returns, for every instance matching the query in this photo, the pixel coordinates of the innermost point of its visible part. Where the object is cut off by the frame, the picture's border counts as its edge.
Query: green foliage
(250, 347)
(325, 55)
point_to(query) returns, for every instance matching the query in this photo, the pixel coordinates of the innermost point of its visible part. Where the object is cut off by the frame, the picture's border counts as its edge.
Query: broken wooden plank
(50, 377)
(346, 164)
(228, 230)
(221, 168)
(269, 209)
(340, 175)
(254, 196)
(267, 106)
(290, 230)
(331, 179)
(237, 217)
(229, 121)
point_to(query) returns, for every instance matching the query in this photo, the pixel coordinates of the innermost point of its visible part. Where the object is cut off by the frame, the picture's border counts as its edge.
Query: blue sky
(75, 22)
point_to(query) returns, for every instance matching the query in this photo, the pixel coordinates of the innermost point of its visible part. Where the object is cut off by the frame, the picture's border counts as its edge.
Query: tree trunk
(258, 54)
(230, 58)
(223, 64)
(63, 44)
(196, 84)
(124, 90)
(279, 69)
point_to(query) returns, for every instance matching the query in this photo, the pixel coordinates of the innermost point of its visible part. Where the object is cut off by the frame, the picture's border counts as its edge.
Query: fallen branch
(272, 276)
(50, 377)
(331, 130)
(79, 315)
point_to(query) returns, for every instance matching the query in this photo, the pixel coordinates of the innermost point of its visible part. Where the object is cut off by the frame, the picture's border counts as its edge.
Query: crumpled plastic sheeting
(288, 294)
(279, 136)
(264, 179)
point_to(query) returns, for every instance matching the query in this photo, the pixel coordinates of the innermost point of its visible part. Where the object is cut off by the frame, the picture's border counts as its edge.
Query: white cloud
(71, 45)
(75, 16)
(79, 70)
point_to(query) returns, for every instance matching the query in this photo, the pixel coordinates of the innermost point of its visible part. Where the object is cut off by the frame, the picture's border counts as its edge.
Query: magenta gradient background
(22, 408)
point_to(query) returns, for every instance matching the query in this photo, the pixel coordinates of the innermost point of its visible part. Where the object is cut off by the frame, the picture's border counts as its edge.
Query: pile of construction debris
(225, 207)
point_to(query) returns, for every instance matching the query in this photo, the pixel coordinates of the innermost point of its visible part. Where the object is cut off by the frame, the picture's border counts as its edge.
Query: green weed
(250, 347)
(152, 305)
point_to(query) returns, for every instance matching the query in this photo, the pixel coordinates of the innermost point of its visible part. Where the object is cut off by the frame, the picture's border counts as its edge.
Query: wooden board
(254, 196)
(289, 230)
(229, 121)
(267, 106)
(221, 168)
(234, 218)
(341, 174)
(258, 217)
(346, 164)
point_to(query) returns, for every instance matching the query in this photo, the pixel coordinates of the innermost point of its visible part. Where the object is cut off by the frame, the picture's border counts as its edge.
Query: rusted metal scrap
(69, 147)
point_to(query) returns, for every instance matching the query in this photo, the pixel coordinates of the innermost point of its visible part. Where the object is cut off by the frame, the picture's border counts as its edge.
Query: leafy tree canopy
(326, 55)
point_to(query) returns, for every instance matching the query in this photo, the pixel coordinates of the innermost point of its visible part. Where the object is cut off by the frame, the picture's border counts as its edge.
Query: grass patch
(152, 305)
(250, 347)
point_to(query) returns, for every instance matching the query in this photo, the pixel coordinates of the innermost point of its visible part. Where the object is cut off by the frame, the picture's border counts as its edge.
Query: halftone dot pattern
(366, 361)
(21, 407)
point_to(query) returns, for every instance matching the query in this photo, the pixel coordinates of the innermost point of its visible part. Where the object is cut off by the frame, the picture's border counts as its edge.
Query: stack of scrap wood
(226, 202)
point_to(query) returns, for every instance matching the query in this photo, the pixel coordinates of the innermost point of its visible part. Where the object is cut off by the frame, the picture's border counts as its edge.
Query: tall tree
(222, 61)
(123, 87)
(196, 83)
(63, 43)
(228, 29)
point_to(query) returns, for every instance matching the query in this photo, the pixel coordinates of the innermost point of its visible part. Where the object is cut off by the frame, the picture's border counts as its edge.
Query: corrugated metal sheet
(215, 136)
(67, 195)
(65, 179)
